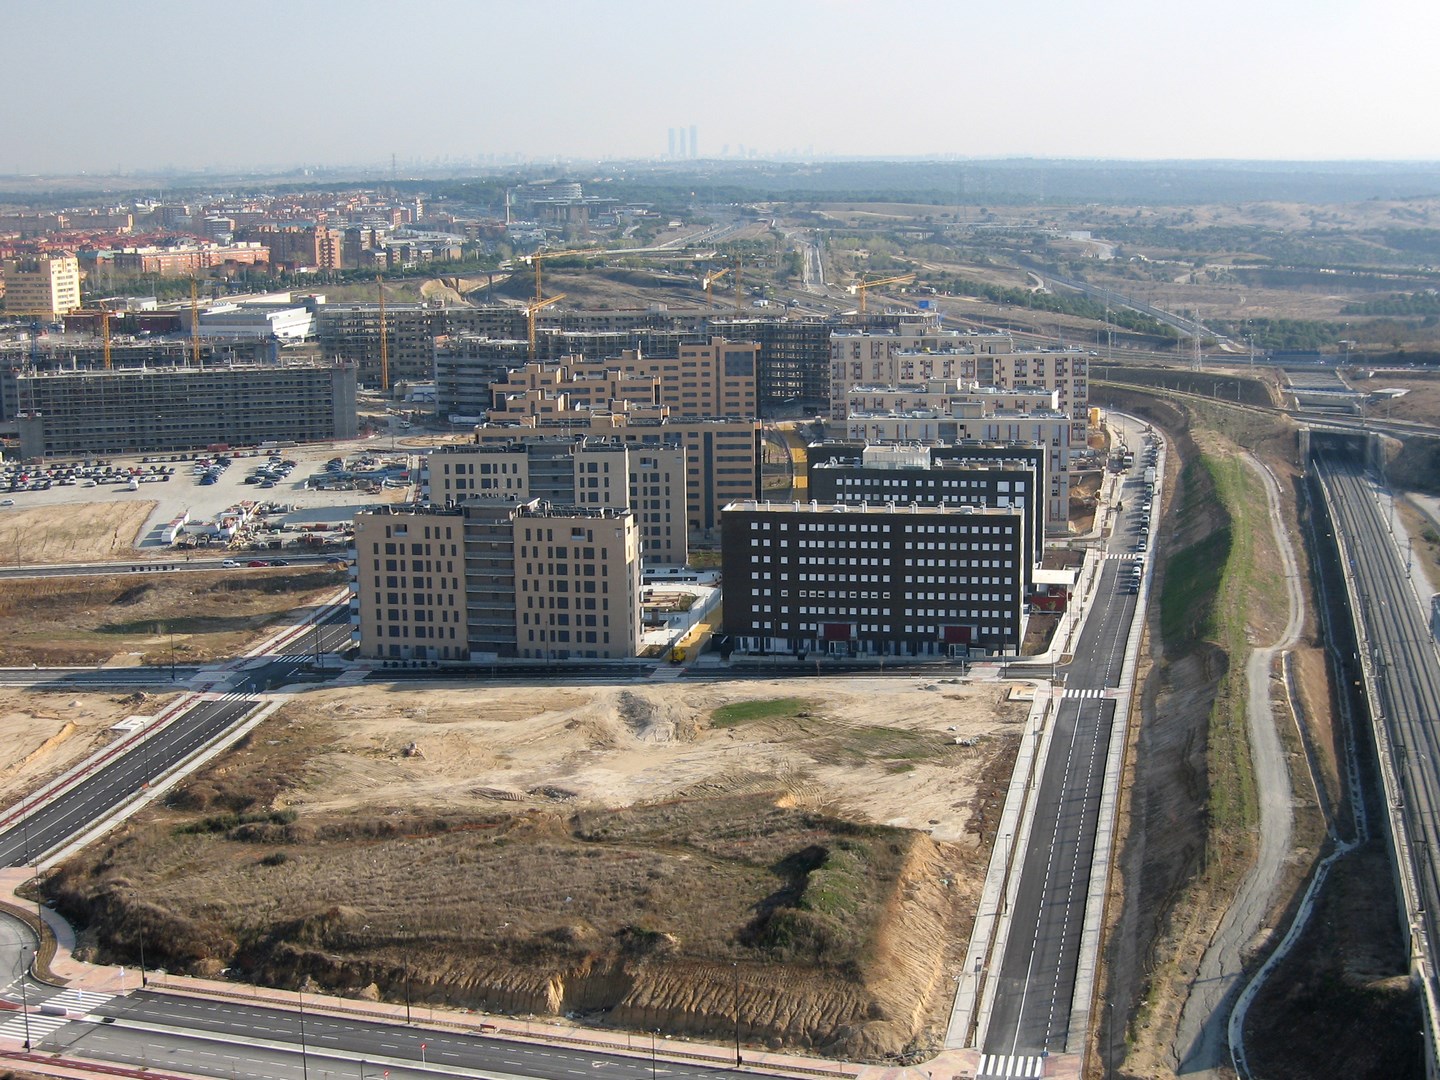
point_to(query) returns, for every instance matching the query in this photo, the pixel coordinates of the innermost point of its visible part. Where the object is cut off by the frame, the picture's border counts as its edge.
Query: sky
(104, 87)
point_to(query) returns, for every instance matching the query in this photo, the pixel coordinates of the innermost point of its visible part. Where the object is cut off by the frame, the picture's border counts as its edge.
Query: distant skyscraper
(694, 141)
(682, 143)
(672, 144)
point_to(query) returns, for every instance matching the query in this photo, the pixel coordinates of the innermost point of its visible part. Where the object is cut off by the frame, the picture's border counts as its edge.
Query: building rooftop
(768, 506)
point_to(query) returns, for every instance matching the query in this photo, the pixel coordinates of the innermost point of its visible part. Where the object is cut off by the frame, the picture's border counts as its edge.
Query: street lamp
(24, 995)
(736, 968)
(304, 1057)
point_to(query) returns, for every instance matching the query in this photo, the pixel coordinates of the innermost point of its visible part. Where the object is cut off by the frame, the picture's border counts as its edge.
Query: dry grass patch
(72, 533)
(89, 620)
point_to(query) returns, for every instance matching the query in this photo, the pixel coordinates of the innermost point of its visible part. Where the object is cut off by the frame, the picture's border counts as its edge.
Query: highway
(1406, 678)
(1037, 976)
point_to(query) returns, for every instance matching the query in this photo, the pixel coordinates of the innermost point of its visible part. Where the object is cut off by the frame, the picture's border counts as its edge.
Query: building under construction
(166, 409)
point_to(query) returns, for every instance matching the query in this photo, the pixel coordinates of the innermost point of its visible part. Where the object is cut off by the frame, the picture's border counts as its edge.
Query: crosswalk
(76, 1003)
(1131, 555)
(1090, 692)
(1005, 1066)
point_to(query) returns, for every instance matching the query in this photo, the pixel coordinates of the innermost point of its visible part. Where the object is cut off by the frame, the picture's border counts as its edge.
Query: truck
(1150, 475)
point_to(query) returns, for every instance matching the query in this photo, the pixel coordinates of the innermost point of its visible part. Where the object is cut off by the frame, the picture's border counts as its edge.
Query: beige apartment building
(722, 456)
(647, 480)
(906, 356)
(713, 379)
(45, 286)
(495, 578)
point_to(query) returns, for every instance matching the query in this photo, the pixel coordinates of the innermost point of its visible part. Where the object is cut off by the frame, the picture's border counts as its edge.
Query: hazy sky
(93, 85)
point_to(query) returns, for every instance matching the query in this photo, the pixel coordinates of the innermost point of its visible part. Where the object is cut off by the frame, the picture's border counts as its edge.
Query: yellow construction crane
(194, 323)
(861, 286)
(105, 334)
(540, 256)
(709, 280)
(384, 338)
(530, 316)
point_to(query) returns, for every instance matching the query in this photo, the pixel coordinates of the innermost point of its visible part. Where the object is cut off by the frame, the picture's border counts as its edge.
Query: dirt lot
(47, 732)
(83, 532)
(610, 851)
(130, 618)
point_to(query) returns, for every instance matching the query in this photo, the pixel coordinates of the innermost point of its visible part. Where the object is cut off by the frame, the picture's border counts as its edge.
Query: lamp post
(25, 996)
(736, 969)
(653, 1033)
(304, 1057)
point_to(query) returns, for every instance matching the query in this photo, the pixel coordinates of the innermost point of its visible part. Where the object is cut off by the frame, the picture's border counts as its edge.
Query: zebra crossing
(1005, 1066)
(76, 1003)
(1088, 693)
(1131, 555)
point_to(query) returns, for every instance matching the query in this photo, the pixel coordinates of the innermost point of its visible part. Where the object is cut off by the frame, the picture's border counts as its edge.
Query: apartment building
(968, 422)
(712, 379)
(188, 259)
(906, 354)
(943, 395)
(902, 475)
(44, 286)
(182, 408)
(649, 481)
(496, 578)
(1065, 371)
(809, 578)
(722, 455)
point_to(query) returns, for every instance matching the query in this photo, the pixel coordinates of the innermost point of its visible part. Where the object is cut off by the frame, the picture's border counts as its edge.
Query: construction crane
(384, 338)
(194, 324)
(709, 280)
(105, 334)
(540, 256)
(861, 286)
(530, 316)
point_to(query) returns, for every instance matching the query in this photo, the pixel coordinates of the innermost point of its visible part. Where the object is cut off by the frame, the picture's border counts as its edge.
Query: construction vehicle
(677, 654)
(861, 286)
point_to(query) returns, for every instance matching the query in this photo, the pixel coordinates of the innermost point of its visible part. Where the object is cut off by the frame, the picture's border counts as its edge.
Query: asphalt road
(1407, 669)
(147, 757)
(237, 1039)
(1036, 980)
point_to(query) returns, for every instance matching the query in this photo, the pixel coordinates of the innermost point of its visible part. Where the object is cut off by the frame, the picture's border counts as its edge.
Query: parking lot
(181, 491)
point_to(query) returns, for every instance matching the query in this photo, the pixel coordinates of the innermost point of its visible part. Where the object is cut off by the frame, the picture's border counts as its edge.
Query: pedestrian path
(76, 1003)
(1090, 692)
(1004, 1066)
(1124, 555)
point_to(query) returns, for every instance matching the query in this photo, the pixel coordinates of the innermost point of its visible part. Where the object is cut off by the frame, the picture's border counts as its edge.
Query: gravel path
(1201, 1046)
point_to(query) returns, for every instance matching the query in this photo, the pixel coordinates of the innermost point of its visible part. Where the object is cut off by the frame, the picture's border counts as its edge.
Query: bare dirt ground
(83, 532)
(147, 618)
(610, 851)
(1420, 403)
(46, 732)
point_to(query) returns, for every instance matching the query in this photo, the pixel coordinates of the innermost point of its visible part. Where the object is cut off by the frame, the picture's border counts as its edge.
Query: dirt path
(1201, 1046)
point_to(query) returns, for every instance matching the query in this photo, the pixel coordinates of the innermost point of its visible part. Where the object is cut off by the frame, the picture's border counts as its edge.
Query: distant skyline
(152, 84)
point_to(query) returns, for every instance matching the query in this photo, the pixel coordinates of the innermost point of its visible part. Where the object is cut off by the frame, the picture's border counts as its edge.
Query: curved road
(1201, 1043)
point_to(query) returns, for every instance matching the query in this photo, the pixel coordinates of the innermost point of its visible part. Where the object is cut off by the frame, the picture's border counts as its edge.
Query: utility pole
(24, 995)
(736, 968)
